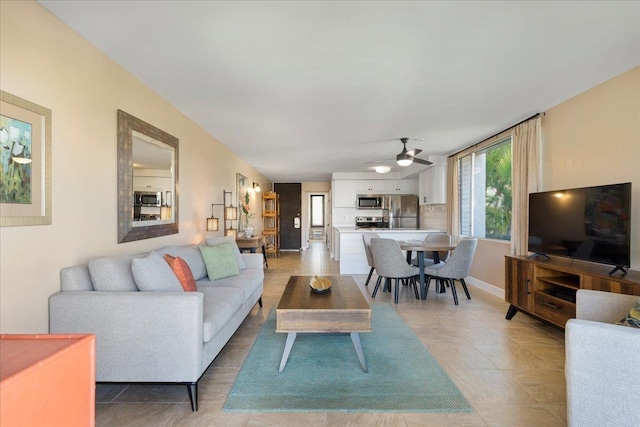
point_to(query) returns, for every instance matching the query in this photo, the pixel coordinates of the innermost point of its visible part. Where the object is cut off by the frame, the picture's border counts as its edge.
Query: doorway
(317, 217)
(290, 215)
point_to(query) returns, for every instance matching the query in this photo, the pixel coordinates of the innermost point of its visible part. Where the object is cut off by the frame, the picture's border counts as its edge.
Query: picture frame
(25, 162)
(242, 189)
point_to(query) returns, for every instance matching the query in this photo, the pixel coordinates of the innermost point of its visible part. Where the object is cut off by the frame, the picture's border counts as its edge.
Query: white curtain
(453, 196)
(525, 140)
(525, 176)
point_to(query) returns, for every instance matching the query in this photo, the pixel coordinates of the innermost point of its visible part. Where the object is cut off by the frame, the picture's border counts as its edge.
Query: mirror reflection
(153, 183)
(148, 207)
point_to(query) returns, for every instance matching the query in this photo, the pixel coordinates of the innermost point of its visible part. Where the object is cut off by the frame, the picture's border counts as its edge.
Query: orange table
(47, 380)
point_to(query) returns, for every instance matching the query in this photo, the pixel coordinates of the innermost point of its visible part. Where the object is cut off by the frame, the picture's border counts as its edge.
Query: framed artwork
(25, 162)
(244, 200)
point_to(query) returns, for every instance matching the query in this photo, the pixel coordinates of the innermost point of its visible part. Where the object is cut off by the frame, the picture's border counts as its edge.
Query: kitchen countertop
(385, 230)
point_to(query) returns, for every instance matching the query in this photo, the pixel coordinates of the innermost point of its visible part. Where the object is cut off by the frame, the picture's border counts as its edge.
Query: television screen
(591, 223)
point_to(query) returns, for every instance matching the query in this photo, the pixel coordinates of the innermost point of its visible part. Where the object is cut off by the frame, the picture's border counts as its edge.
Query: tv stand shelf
(546, 288)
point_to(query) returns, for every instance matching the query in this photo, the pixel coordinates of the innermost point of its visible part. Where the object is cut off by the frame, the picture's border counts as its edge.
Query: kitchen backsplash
(433, 217)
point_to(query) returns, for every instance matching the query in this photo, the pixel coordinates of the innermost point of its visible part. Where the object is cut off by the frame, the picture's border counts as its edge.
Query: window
(317, 210)
(485, 192)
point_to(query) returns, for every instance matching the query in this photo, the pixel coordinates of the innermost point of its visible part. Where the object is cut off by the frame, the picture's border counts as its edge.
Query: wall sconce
(229, 214)
(256, 187)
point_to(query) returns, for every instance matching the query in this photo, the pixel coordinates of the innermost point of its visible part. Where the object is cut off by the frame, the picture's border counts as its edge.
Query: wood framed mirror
(147, 180)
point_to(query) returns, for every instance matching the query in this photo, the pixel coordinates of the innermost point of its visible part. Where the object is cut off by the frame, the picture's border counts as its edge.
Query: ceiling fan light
(405, 162)
(382, 169)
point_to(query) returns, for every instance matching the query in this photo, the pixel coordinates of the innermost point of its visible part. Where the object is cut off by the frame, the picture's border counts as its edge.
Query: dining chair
(366, 240)
(456, 268)
(391, 264)
(435, 239)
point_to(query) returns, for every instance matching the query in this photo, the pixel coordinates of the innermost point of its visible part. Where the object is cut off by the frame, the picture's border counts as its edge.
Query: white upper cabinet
(400, 186)
(344, 193)
(433, 185)
(364, 186)
(151, 183)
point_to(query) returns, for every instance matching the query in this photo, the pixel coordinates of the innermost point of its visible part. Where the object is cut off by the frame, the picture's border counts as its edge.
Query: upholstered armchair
(602, 363)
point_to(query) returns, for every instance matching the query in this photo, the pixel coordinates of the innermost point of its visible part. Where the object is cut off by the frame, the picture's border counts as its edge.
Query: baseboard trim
(492, 289)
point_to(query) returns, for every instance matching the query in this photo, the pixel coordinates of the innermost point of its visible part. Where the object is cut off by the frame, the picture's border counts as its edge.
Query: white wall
(590, 139)
(45, 62)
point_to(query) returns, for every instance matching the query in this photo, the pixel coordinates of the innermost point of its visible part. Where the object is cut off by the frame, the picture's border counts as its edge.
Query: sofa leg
(260, 302)
(193, 395)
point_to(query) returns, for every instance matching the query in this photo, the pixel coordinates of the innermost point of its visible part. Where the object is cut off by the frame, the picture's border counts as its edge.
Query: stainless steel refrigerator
(403, 211)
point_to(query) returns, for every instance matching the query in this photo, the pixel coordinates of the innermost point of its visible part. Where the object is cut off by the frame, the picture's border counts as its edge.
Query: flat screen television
(590, 223)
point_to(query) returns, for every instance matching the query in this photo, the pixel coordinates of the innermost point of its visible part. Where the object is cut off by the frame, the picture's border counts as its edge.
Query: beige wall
(590, 139)
(47, 63)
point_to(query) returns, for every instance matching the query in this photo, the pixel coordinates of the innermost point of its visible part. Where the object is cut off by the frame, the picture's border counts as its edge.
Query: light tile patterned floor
(512, 372)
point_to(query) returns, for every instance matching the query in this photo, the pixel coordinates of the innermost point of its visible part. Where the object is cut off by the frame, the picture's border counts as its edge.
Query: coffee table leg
(355, 337)
(291, 337)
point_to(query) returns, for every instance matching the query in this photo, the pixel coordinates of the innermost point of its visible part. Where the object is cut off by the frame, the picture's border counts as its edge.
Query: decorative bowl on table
(320, 285)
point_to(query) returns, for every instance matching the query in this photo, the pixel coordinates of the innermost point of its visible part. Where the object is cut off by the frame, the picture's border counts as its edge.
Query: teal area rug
(323, 373)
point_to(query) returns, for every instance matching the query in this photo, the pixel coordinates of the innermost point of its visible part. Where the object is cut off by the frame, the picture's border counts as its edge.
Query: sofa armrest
(602, 306)
(140, 336)
(601, 370)
(254, 260)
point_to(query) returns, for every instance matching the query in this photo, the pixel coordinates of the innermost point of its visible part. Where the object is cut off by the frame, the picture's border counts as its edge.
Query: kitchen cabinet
(364, 186)
(400, 186)
(433, 185)
(151, 183)
(344, 193)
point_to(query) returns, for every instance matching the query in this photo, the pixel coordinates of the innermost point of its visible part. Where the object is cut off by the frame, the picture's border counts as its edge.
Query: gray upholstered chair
(601, 362)
(456, 268)
(391, 264)
(366, 240)
(436, 239)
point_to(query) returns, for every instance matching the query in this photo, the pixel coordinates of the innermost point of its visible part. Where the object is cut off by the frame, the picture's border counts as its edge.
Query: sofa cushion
(182, 271)
(247, 282)
(192, 256)
(220, 261)
(211, 241)
(112, 274)
(633, 318)
(153, 274)
(219, 305)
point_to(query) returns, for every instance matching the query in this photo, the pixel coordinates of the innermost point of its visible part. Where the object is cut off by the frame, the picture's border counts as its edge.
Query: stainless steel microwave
(147, 198)
(370, 202)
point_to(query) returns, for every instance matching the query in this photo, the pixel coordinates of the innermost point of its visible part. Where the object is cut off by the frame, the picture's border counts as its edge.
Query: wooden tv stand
(546, 289)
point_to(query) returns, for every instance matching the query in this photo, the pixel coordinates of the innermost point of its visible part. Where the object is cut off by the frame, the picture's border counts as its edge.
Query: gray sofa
(161, 336)
(601, 364)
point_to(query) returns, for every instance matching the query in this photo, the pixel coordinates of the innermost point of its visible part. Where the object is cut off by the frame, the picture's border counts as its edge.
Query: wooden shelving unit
(546, 289)
(271, 221)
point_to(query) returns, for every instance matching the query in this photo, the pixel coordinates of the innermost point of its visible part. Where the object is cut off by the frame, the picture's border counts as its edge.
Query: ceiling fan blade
(422, 162)
(414, 152)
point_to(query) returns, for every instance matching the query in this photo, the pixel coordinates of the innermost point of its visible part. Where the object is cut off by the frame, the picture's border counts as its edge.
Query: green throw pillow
(633, 318)
(220, 261)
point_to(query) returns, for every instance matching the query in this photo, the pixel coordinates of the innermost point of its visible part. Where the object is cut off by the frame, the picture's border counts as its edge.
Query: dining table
(420, 247)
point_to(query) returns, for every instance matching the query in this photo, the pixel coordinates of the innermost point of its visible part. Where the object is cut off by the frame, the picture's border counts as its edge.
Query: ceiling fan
(406, 158)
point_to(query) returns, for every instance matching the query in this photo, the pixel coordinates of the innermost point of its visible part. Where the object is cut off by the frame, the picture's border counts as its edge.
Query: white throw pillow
(112, 274)
(153, 274)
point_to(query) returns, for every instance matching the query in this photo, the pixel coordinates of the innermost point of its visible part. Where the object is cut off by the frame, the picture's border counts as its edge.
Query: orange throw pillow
(182, 272)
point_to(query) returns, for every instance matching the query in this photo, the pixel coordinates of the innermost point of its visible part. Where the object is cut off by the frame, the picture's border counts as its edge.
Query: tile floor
(510, 371)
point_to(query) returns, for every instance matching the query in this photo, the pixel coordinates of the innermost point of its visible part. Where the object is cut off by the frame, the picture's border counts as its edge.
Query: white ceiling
(301, 89)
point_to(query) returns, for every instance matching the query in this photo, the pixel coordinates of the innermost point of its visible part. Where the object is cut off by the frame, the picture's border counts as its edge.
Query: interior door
(290, 214)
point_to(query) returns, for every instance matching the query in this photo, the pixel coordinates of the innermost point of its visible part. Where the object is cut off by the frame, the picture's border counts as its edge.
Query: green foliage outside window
(498, 202)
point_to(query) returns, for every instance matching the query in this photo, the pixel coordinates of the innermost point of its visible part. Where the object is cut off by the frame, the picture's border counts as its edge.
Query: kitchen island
(349, 248)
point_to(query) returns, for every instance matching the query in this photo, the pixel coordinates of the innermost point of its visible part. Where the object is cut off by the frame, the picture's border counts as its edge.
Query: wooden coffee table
(341, 310)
